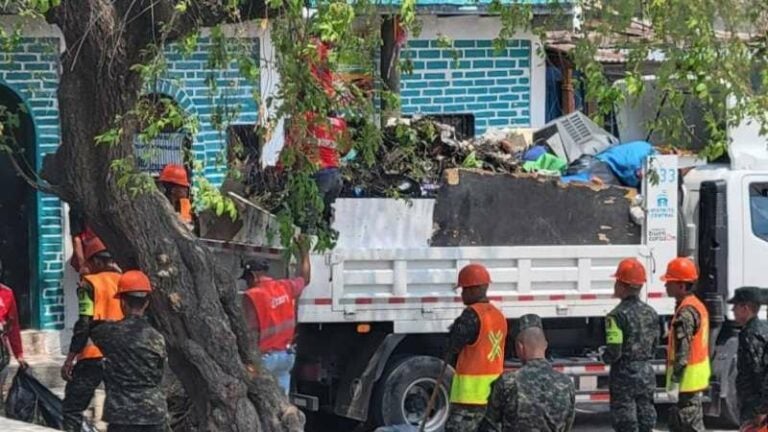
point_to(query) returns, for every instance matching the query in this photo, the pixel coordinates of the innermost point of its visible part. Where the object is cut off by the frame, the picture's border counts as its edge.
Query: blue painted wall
(471, 77)
(32, 71)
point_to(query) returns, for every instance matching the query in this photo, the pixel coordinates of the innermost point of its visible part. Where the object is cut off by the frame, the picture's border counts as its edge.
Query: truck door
(755, 229)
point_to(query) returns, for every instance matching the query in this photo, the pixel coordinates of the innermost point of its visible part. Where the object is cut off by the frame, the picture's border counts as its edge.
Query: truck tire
(403, 392)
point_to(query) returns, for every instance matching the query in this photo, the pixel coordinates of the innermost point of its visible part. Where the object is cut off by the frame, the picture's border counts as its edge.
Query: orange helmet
(133, 282)
(473, 275)
(630, 271)
(94, 247)
(174, 174)
(681, 270)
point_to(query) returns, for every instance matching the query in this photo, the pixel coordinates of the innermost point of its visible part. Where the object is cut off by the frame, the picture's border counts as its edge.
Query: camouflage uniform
(464, 418)
(752, 365)
(632, 331)
(534, 398)
(87, 374)
(464, 331)
(135, 358)
(688, 415)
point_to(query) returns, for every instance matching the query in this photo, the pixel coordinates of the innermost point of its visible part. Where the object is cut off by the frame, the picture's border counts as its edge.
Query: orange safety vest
(185, 210)
(697, 372)
(274, 308)
(105, 306)
(482, 362)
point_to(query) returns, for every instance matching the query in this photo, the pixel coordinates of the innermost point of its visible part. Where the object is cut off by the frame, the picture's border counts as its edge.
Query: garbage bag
(588, 167)
(30, 401)
(535, 152)
(580, 165)
(546, 164)
(626, 160)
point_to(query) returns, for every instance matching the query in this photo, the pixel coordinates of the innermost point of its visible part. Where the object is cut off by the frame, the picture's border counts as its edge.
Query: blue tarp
(626, 160)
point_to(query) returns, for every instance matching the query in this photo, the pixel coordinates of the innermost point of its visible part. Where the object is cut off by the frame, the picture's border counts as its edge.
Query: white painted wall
(31, 27)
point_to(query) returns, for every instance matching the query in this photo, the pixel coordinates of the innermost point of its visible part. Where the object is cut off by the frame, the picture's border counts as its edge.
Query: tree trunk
(195, 305)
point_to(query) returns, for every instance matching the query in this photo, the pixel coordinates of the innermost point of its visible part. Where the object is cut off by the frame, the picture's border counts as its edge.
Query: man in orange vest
(175, 181)
(688, 368)
(96, 302)
(269, 306)
(478, 335)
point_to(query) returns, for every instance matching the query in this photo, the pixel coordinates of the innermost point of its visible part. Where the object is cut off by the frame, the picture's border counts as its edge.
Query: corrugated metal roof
(470, 7)
(468, 2)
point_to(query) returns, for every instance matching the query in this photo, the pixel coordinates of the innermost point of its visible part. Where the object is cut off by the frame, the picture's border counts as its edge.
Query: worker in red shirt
(10, 333)
(81, 234)
(326, 139)
(269, 306)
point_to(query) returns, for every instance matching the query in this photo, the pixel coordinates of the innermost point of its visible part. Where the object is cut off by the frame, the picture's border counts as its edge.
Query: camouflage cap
(747, 295)
(529, 320)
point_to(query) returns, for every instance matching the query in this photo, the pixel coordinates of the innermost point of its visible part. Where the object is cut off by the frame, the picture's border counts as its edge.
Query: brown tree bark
(195, 305)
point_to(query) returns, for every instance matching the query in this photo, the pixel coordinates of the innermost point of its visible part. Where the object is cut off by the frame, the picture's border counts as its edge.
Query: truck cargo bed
(414, 288)
(476, 208)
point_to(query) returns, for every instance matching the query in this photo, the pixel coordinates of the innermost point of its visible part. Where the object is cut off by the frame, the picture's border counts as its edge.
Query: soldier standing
(478, 336)
(752, 363)
(135, 358)
(631, 333)
(96, 302)
(688, 368)
(534, 398)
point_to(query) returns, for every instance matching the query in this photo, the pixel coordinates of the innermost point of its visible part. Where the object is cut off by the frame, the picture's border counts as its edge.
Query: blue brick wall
(471, 77)
(31, 71)
(187, 83)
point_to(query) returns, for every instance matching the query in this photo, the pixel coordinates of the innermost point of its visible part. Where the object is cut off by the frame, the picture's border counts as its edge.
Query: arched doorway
(18, 205)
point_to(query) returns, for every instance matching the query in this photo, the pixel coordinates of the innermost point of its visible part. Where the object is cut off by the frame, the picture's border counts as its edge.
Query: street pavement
(598, 419)
(7, 425)
(595, 418)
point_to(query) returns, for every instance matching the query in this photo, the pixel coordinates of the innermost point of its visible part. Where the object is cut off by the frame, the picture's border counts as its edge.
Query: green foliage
(40, 6)
(709, 53)
(129, 179)
(208, 197)
(471, 161)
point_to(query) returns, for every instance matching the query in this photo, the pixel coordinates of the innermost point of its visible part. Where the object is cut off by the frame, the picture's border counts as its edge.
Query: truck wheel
(404, 389)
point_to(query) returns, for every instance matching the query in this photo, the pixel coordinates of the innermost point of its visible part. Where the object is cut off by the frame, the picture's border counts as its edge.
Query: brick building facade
(499, 89)
(505, 88)
(29, 75)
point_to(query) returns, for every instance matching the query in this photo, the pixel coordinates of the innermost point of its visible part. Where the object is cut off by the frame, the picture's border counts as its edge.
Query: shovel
(433, 396)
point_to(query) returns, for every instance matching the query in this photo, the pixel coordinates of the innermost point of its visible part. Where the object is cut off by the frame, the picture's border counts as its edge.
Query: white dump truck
(373, 323)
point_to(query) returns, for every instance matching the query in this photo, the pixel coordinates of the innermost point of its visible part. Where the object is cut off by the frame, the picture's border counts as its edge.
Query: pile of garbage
(415, 152)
